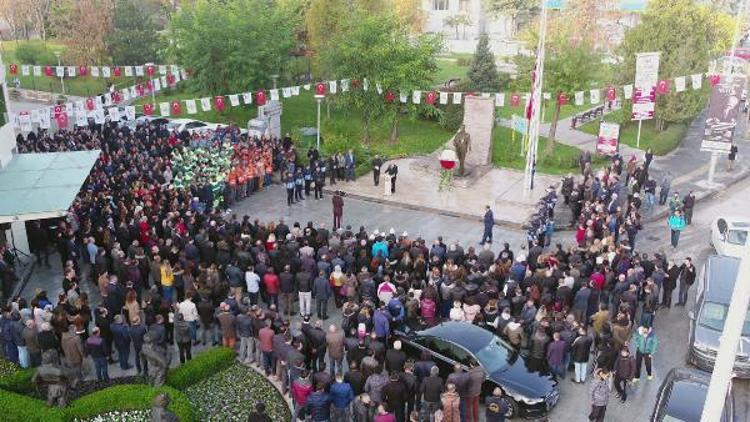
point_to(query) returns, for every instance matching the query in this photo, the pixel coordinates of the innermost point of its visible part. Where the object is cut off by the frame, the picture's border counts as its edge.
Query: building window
(440, 4)
(463, 5)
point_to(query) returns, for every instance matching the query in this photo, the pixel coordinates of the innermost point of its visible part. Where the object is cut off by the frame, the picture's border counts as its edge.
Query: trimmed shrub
(200, 367)
(18, 407)
(128, 397)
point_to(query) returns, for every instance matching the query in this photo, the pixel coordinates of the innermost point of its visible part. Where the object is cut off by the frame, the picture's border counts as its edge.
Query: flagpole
(536, 94)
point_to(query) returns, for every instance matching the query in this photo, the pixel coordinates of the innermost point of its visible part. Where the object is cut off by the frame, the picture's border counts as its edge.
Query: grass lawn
(565, 111)
(79, 86)
(448, 68)
(661, 143)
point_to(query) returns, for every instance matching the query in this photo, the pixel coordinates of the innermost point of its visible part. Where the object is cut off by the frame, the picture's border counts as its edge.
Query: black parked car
(527, 393)
(682, 395)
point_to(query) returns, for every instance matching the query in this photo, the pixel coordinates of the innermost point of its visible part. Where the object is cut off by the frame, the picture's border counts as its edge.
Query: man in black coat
(394, 396)
(377, 163)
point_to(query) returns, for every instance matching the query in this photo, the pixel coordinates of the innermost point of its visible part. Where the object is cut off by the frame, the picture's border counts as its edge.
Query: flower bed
(141, 415)
(202, 366)
(15, 378)
(232, 393)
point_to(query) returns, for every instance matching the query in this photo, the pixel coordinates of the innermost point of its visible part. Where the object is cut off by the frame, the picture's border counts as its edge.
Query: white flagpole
(536, 96)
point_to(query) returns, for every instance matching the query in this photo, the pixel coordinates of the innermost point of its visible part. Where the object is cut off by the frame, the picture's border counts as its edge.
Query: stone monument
(462, 146)
(479, 119)
(56, 378)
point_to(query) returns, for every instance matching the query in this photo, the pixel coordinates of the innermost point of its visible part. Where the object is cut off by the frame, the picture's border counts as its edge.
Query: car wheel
(512, 407)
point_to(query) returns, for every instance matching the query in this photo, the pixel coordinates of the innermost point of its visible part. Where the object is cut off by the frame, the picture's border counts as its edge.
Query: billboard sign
(644, 88)
(723, 110)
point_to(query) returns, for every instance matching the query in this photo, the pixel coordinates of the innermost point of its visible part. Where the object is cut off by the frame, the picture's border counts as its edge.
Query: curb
(464, 216)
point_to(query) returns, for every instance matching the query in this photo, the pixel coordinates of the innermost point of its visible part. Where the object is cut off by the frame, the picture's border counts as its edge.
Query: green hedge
(19, 382)
(200, 367)
(18, 407)
(128, 397)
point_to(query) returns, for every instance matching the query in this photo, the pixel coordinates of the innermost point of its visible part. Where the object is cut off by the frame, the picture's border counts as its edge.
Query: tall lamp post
(320, 93)
(59, 64)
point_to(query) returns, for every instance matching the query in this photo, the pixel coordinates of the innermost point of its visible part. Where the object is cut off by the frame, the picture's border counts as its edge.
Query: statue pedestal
(479, 119)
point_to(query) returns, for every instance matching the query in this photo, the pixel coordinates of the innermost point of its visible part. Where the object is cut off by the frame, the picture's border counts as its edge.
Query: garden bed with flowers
(232, 393)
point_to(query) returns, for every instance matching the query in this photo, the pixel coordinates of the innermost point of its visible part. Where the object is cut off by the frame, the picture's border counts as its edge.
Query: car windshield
(737, 237)
(714, 314)
(494, 356)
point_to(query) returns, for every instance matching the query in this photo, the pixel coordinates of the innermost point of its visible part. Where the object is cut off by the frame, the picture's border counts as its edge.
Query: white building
(461, 21)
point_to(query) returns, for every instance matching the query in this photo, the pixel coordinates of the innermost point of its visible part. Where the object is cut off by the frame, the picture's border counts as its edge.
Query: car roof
(465, 334)
(721, 272)
(687, 395)
(736, 221)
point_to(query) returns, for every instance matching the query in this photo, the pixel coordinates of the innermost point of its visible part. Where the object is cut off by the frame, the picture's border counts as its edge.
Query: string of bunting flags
(149, 70)
(430, 97)
(98, 108)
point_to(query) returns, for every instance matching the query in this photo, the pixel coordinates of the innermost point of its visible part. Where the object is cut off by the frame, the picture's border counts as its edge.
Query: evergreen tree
(482, 74)
(134, 38)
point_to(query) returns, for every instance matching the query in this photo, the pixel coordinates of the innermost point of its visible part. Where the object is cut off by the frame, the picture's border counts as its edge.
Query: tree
(521, 12)
(232, 45)
(377, 48)
(134, 38)
(411, 14)
(324, 20)
(482, 74)
(688, 35)
(567, 68)
(83, 26)
(456, 21)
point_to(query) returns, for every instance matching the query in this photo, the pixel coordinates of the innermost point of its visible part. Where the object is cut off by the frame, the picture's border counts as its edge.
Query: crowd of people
(166, 262)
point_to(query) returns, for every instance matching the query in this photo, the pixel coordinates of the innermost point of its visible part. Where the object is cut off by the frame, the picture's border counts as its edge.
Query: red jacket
(300, 391)
(271, 281)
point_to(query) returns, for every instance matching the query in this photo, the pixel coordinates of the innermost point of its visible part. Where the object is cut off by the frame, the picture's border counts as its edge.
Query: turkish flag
(219, 101)
(90, 103)
(58, 109)
(139, 90)
(260, 98)
(611, 94)
(13, 69)
(49, 71)
(714, 79)
(562, 99)
(431, 97)
(148, 109)
(150, 70)
(662, 87)
(389, 97)
(515, 100)
(62, 120)
(320, 89)
(176, 109)
(117, 71)
(170, 79)
(116, 97)
(83, 70)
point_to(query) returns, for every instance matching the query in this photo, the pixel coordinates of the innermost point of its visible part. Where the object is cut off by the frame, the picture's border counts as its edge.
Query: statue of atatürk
(158, 361)
(159, 412)
(462, 144)
(55, 377)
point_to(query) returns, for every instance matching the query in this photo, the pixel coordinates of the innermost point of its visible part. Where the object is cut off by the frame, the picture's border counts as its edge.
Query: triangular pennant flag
(697, 81)
(44, 119)
(164, 109)
(139, 71)
(95, 71)
(25, 70)
(133, 92)
(274, 94)
(679, 83)
(332, 86)
(295, 90)
(106, 71)
(579, 98)
(456, 98)
(157, 85)
(128, 71)
(81, 118)
(403, 97)
(206, 104)
(184, 74)
(416, 96)
(499, 99)
(130, 112)
(125, 94)
(365, 85)
(286, 92)
(247, 97)
(344, 85)
(306, 86)
(627, 91)
(234, 100)
(114, 114)
(595, 96)
(379, 88)
(71, 71)
(443, 98)
(38, 72)
(190, 106)
(177, 76)
(163, 81)
(99, 116)
(162, 69)
(174, 68)
(60, 71)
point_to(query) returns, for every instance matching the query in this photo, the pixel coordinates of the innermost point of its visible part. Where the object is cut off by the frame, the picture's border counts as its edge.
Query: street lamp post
(59, 64)
(320, 93)
(275, 78)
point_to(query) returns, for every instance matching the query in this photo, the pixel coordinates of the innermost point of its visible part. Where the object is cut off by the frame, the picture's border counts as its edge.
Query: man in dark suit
(338, 209)
(377, 163)
(393, 172)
